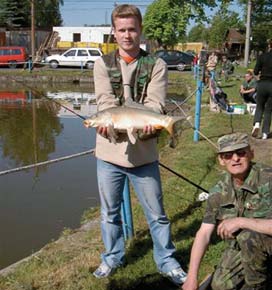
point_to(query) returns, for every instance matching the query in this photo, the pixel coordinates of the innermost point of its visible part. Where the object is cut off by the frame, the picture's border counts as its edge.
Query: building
(235, 42)
(97, 34)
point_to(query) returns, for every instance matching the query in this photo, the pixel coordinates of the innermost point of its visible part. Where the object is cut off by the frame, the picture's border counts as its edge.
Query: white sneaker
(255, 129)
(177, 276)
(265, 136)
(103, 271)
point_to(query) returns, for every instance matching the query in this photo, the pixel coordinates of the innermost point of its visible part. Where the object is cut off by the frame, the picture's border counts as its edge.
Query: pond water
(37, 204)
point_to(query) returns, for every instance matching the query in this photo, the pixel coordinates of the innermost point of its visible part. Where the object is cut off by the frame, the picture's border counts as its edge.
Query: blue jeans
(147, 185)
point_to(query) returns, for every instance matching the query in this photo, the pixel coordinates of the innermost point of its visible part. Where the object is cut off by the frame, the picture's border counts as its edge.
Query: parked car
(176, 59)
(79, 57)
(13, 56)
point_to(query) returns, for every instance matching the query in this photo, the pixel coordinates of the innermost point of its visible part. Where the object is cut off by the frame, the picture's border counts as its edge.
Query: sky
(93, 12)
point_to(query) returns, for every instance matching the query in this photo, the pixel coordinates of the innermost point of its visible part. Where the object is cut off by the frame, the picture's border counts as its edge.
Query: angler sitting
(240, 207)
(248, 89)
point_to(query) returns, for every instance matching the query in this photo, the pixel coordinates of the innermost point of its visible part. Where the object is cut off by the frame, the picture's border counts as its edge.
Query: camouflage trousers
(245, 264)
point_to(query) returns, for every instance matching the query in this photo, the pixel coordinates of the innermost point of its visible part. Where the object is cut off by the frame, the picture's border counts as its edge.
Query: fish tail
(171, 127)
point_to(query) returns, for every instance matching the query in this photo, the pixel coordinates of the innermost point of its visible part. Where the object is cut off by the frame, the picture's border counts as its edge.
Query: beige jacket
(212, 62)
(124, 153)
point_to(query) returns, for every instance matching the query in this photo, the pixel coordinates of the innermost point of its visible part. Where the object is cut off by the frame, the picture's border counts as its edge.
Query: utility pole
(248, 32)
(32, 29)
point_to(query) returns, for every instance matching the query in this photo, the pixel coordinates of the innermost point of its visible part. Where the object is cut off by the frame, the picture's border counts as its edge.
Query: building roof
(234, 35)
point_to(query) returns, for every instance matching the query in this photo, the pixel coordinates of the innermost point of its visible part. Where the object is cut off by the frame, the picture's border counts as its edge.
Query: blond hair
(124, 11)
(250, 72)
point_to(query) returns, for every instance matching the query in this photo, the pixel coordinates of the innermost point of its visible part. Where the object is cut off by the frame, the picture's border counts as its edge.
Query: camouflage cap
(232, 142)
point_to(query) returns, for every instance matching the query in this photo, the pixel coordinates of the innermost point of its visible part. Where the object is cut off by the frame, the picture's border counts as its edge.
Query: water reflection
(35, 205)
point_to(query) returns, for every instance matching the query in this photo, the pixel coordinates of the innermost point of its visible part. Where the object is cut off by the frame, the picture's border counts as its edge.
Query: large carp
(131, 120)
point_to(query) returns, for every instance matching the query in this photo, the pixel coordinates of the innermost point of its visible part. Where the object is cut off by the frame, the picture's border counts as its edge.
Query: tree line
(17, 13)
(166, 21)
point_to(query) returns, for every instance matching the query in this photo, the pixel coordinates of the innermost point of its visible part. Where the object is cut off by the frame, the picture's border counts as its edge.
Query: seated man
(227, 68)
(248, 89)
(240, 207)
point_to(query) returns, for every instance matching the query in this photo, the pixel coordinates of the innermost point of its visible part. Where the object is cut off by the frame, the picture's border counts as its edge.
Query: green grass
(46, 72)
(68, 263)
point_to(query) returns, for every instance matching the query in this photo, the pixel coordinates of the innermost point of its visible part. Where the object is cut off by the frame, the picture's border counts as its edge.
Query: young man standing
(130, 74)
(240, 207)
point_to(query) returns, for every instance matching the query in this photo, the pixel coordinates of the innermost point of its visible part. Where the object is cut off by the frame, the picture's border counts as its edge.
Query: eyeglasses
(228, 155)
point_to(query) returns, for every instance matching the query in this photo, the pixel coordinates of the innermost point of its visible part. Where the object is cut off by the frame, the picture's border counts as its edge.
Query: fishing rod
(184, 178)
(37, 92)
(67, 108)
(82, 117)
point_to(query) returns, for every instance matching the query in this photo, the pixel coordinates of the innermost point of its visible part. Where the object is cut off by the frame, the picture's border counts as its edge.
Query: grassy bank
(44, 71)
(67, 264)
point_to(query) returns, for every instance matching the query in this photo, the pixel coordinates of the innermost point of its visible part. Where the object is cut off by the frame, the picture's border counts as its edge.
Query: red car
(12, 56)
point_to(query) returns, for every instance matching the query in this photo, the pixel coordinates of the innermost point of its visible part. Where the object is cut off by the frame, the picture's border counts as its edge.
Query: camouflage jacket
(252, 200)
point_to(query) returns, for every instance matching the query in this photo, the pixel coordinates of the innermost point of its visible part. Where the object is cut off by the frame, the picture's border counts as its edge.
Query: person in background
(211, 64)
(263, 69)
(202, 56)
(239, 207)
(130, 74)
(195, 64)
(248, 89)
(227, 68)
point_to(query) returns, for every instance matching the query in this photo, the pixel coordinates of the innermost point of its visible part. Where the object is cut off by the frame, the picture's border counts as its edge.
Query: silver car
(76, 57)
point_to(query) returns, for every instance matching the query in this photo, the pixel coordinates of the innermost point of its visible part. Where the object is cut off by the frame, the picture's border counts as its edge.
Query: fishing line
(192, 126)
(184, 101)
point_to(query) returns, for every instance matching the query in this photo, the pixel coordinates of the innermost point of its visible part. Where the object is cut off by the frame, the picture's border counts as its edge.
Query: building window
(76, 37)
(110, 37)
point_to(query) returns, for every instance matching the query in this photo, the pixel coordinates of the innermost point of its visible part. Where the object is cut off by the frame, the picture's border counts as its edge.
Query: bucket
(239, 109)
(251, 108)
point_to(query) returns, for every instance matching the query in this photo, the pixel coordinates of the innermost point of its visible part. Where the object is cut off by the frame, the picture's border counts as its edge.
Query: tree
(160, 23)
(166, 20)
(17, 13)
(221, 22)
(48, 13)
(198, 33)
(261, 22)
(9, 13)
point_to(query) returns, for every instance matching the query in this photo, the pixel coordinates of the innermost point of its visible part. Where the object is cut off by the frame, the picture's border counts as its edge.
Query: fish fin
(132, 135)
(112, 135)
